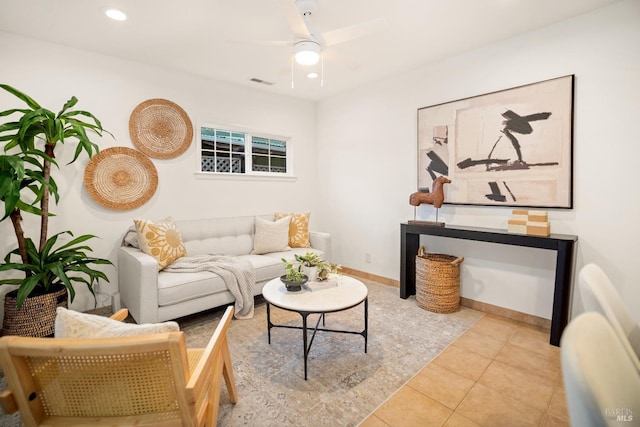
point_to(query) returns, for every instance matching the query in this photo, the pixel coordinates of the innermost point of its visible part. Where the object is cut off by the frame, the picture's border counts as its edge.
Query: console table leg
(409, 244)
(562, 291)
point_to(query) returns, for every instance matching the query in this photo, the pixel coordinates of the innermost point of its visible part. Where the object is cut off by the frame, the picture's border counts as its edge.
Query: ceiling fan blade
(295, 20)
(351, 32)
(262, 42)
(286, 69)
(333, 56)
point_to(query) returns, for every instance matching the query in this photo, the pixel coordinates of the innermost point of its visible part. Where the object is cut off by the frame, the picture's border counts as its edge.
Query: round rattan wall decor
(160, 129)
(120, 178)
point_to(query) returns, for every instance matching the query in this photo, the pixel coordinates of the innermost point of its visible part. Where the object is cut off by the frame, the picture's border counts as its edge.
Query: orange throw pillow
(298, 229)
(161, 240)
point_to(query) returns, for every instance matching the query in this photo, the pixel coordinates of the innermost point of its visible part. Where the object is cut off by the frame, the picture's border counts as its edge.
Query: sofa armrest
(321, 241)
(138, 283)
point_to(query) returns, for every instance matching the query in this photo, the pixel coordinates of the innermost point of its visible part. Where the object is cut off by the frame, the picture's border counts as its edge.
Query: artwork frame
(512, 147)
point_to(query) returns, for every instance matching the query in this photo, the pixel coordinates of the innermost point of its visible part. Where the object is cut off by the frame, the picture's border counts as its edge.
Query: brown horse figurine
(435, 197)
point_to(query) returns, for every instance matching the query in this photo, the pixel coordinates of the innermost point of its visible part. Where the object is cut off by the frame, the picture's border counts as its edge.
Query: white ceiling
(196, 36)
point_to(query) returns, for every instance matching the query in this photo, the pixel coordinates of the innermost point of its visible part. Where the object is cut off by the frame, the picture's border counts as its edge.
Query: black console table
(564, 246)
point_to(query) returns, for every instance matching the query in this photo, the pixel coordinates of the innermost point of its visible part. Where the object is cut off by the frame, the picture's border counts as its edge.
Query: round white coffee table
(337, 294)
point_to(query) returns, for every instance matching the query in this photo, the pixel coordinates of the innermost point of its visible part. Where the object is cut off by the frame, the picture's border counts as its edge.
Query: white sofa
(152, 296)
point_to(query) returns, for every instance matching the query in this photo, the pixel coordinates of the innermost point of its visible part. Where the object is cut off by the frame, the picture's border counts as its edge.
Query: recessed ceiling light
(115, 14)
(312, 75)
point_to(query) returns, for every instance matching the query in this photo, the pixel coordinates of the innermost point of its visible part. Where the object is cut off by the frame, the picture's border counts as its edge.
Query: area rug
(344, 384)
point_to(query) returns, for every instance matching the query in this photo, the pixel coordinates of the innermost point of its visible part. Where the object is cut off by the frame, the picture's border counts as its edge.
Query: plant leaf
(70, 103)
(24, 97)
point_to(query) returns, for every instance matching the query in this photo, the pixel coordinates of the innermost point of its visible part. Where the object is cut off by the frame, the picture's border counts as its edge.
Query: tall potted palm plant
(49, 265)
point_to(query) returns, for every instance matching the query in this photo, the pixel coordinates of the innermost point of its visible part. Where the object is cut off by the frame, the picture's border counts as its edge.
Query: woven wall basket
(36, 317)
(437, 281)
(160, 129)
(120, 178)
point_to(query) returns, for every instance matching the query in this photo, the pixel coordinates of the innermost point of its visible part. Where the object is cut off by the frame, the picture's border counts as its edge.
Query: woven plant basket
(437, 281)
(36, 317)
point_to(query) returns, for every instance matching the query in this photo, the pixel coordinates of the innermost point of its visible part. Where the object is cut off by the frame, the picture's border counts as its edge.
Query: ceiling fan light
(307, 53)
(115, 14)
(307, 57)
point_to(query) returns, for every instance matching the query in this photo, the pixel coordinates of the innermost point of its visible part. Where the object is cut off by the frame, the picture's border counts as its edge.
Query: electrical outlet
(367, 257)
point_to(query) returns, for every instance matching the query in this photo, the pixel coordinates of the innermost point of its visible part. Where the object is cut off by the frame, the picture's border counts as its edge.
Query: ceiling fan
(309, 45)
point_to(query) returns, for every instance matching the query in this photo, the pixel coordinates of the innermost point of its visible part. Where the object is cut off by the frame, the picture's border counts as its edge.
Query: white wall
(367, 139)
(356, 160)
(111, 88)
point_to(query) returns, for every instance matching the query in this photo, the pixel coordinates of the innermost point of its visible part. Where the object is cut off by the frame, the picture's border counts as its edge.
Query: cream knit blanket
(238, 274)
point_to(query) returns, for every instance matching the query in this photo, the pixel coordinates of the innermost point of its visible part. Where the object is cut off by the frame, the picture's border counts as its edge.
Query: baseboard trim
(529, 319)
(368, 276)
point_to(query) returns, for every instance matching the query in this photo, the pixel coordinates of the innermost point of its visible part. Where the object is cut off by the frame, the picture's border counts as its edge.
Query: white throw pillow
(73, 324)
(271, 236)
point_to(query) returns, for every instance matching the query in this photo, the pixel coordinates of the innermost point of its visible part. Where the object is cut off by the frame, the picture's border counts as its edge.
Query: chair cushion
(73, 324)
(271, 236)
(161, 240)
(298, 229)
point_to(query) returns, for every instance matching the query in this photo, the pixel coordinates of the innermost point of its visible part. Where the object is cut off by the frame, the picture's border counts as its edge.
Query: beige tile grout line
(419, 370)
(555, 389)
(475, 381)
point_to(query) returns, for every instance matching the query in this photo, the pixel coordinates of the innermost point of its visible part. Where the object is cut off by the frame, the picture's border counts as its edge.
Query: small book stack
(322, 284)
(534, 223)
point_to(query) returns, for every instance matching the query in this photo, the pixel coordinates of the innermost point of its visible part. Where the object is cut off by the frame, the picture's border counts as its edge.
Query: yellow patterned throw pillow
(298, 229)
(161, 240)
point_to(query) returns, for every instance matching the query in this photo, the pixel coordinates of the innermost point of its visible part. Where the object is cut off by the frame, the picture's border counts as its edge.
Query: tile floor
(498, 373)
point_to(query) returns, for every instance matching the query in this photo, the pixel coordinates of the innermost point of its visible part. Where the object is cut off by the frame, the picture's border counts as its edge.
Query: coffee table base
(305, 315)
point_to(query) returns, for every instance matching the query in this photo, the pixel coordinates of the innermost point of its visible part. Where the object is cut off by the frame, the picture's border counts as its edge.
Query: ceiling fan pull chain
(292, 74)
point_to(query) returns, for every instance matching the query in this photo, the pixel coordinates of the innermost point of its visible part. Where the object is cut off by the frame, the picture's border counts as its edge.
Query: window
(268, 155)
(231, 151)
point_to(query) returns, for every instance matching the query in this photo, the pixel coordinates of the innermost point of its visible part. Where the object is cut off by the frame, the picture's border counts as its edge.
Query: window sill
(244, 177)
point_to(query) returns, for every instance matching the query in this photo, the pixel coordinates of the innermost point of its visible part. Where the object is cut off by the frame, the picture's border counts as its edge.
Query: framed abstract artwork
(508, 148)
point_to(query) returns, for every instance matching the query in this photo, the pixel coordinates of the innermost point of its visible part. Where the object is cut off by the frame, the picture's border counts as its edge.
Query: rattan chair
(139, 380)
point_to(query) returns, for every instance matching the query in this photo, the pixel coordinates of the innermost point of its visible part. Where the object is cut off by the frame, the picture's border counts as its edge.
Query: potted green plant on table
(327, 268)
(50, 266)
(314, 267)
(294, 278)
(310, 262)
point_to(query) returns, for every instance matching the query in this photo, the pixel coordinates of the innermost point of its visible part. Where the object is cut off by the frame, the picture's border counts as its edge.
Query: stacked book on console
(534, 223)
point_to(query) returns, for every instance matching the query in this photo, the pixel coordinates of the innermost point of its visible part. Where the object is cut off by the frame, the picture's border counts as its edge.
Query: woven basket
(36, 317)
(437, 281)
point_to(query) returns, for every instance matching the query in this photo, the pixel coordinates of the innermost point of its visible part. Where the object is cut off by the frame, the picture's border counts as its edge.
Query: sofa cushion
(223, 236)
(266, 267)
(161, 240)
(298, 229)
(174, 288)
(271, 236)
(73, 324)
(290, 254)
